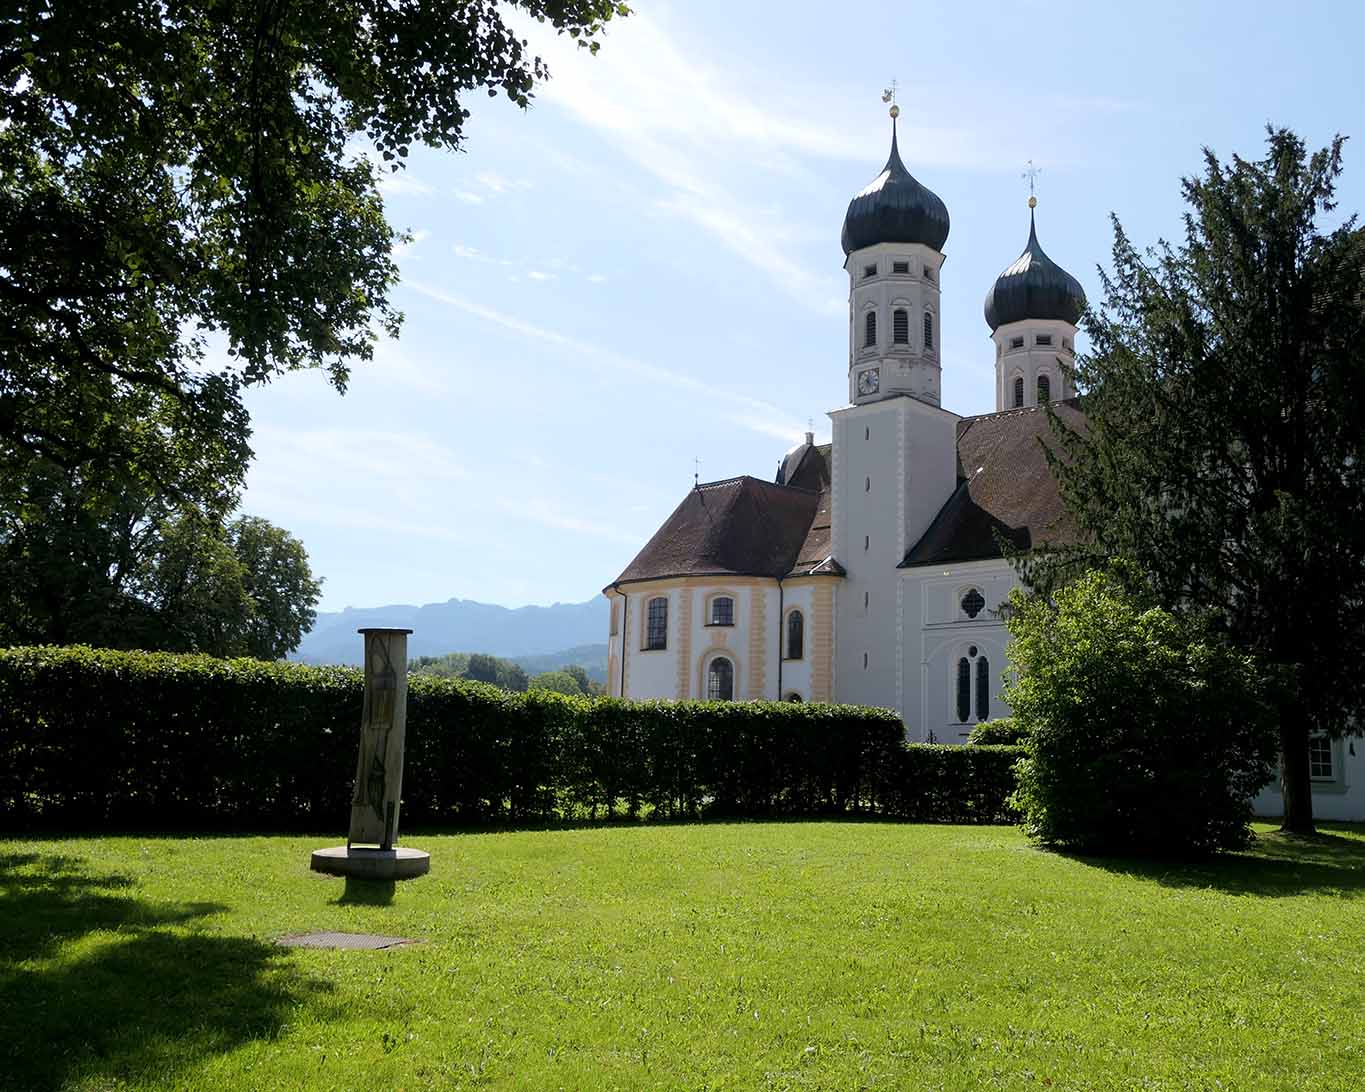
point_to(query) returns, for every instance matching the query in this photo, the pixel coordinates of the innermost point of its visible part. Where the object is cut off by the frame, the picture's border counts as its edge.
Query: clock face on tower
(869, 381)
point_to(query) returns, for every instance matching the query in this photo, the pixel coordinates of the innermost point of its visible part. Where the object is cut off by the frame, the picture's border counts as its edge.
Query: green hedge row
(92, 738)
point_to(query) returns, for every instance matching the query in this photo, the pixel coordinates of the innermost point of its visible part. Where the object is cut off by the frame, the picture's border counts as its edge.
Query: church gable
(1005, 489)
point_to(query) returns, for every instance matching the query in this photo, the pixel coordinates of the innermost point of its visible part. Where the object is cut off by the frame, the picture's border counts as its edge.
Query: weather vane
(696, 472)
(1031, 173)
(889, 95)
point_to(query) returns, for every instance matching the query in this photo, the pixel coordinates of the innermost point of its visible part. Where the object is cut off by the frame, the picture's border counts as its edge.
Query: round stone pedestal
(372, 864)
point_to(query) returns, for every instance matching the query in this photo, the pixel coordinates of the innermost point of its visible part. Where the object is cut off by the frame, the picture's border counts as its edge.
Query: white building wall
(1339, 798)
(894, 467)
(939, 633)
(1030, 360)
(796, 674)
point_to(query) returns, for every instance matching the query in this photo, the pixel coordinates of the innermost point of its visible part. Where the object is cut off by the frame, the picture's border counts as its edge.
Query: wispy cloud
(402, 184)
(757, 414)
(468, 197)
(540, 511)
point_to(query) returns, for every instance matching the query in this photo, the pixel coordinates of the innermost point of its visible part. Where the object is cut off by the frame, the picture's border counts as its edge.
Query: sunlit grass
(789, 955)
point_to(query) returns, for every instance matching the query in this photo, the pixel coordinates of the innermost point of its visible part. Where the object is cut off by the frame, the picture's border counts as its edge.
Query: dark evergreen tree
(1224, 450)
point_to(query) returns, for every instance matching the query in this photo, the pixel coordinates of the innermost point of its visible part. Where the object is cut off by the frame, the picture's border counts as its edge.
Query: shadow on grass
(360, 892)
(99, 985)
(1275, 865)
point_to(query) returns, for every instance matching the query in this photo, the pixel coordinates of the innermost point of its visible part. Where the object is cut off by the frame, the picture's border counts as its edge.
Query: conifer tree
(1224, 395)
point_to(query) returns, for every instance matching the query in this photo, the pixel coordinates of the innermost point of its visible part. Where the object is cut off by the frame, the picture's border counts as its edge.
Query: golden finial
(1032, 201)
(889, 95)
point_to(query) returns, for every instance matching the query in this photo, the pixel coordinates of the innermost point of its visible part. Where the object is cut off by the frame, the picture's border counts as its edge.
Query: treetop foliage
(176, 170)
(1224, 447)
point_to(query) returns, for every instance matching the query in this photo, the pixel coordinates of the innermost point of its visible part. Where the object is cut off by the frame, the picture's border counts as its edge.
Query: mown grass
(767, 956)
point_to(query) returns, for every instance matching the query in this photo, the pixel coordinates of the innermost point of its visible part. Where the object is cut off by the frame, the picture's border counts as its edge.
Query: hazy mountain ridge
(461, 625)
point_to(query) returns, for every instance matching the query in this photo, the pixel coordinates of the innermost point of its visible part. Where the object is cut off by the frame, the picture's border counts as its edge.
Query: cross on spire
(696, 472)
(1031, 173)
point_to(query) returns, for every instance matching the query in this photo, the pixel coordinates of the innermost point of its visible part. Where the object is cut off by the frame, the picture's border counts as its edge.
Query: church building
(870, 570)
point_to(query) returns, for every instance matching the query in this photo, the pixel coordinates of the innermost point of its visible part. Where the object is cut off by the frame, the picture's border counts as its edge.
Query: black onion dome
(895, 208)
(1034, 287)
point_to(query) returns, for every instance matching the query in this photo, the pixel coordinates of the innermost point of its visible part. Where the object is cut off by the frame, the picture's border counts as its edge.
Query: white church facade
(870, 571)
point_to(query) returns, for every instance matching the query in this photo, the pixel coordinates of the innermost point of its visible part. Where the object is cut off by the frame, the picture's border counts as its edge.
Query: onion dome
(1034, 287)
(895, 208)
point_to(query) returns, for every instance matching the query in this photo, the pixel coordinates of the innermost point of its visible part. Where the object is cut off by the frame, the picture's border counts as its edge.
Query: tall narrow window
(796, 635)
(964, 690)
(1320, 767)
(1018, 391)
(656, 624)
(900, 326)
(722, 611)
(720, 680)
(983, 688)
(614, 614)
(870, 329)
(928, 332)
(1044, 390)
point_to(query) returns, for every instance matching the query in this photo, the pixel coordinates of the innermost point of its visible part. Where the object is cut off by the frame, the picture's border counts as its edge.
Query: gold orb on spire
(895, 111)
(1032, 201)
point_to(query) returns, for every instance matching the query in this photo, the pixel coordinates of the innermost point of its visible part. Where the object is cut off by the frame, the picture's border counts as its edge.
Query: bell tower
(893, 239)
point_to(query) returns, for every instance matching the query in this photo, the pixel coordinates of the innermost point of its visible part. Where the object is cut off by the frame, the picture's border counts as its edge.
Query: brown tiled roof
(815, 556)
(740, 527)
(1004, 486)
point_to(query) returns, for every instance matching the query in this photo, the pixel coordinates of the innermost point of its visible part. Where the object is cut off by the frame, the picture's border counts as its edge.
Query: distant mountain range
(462, 625)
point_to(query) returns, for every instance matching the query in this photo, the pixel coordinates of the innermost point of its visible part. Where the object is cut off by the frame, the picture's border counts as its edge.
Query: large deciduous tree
(1225, 443)
(179, 170)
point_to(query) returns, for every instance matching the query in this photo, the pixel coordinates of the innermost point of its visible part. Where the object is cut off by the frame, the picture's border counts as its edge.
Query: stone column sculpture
(371, 849)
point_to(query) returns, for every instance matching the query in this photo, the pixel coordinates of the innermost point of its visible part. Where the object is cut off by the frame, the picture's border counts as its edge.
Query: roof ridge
(1021, 410)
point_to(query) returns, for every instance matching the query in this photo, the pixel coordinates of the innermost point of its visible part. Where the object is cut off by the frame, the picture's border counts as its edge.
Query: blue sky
(644, 268)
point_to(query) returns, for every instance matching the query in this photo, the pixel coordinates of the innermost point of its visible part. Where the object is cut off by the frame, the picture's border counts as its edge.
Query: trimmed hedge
(1004, 731)
(92, 738)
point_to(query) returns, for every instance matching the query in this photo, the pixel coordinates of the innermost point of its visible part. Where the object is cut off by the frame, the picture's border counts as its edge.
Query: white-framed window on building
(1044, 390)
(796, 635)
(656, 624)
(972, 602)
(720, 680)
(870, 330)
(1018, 392)
(1321, 759)
(722, 611)
(928, 331)
(972, 702)
(902, 268)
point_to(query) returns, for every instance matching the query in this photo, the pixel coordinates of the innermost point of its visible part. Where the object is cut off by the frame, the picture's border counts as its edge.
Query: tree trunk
(1295, 781)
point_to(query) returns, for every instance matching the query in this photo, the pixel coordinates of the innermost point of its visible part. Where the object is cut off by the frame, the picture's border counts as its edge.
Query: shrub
(1003, 731)
(1147, 733)
(98, 738)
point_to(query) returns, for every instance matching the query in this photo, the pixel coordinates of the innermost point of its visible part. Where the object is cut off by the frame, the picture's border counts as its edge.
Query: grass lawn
(782, 955)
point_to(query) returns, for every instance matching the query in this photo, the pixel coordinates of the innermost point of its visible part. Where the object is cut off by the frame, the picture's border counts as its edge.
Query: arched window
(983, 688)
(928, 332)
(722, 611)
(870, 329)
(1044, 390)
(1018, 391)
(964, 690)
(900, 326)
(656, 624)
(720, 680)
(796, 635)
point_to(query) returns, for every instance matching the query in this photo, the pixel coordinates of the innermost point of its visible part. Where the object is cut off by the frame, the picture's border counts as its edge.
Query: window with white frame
(796, 635)
(972, 602)
(870, 330)
(900, 267)
(928, 332)
(1016, 343)
(973, 702)
(656, 624)
(720, 680)
(1044, 390)
(722, 611)
(1321, 764)
(1018, 391)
